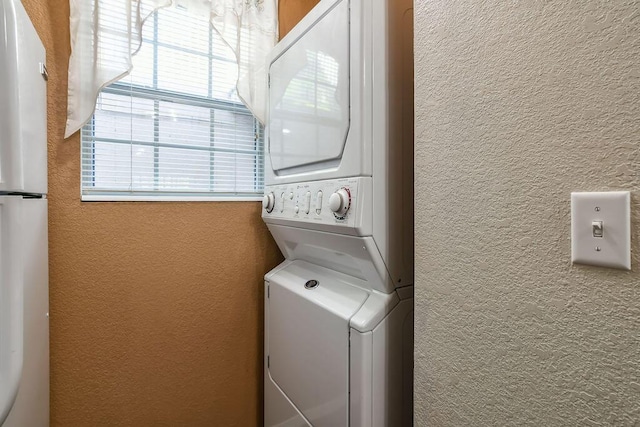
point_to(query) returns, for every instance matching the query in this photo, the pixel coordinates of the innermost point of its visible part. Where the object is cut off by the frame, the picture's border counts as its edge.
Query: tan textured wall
(156, 308)
(290, 12)
(517, 105)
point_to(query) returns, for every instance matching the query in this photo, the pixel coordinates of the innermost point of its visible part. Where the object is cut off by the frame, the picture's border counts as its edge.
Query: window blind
(175, 127)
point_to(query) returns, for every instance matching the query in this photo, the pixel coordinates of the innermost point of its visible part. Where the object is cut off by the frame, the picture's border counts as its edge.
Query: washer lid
(309, 94)
(308, 339)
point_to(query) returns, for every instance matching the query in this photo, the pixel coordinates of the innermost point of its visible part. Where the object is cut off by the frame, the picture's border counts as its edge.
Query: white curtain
(100, 57)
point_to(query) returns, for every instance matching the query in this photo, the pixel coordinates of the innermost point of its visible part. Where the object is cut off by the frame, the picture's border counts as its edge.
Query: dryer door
(309, 95)
(308, 340)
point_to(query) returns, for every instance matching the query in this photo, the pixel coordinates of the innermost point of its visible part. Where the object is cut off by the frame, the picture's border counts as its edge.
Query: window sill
(177, 198)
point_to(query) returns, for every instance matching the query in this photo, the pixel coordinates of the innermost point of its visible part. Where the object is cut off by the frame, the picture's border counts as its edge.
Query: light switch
(601, 229)
(597, 227)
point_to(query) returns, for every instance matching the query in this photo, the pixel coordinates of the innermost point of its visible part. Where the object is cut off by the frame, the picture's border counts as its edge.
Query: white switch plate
(613, 249)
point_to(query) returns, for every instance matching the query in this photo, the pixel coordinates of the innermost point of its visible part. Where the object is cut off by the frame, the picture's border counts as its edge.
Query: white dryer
(339, 203)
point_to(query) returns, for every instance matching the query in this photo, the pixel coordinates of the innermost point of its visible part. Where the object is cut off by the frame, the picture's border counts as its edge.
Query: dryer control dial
(340, 202)
(269, 202)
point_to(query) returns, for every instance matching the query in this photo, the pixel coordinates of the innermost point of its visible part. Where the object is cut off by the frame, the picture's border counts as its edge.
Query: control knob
(269, 202)
(340, 202)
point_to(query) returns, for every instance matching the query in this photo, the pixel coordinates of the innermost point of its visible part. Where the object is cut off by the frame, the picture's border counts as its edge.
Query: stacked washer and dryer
(339, 203)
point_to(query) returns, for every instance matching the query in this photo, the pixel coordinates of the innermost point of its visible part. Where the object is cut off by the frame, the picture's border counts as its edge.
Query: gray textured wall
(518, 103)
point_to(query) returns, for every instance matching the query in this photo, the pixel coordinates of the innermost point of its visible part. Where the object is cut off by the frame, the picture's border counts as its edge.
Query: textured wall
(291, 12)
(156, 308)
(519, 103)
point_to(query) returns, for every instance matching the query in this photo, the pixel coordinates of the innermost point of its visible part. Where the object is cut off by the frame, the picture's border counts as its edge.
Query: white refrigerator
(24, 283)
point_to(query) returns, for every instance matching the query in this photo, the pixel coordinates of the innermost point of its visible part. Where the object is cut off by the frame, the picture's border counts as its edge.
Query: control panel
(332, 202)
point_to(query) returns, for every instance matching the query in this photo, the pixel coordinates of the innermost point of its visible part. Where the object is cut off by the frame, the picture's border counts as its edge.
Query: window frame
(88, 136)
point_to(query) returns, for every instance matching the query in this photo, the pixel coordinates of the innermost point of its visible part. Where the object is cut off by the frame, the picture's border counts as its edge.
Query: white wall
(518, 103)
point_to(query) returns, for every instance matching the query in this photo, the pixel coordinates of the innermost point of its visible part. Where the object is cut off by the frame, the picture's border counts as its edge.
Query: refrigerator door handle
(44, 72)
(11, 302)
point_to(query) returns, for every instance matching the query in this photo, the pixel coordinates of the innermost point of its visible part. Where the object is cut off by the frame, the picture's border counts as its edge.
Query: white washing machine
(339, 203)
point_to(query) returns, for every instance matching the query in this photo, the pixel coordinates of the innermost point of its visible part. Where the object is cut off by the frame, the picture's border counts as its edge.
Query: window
(174, 128)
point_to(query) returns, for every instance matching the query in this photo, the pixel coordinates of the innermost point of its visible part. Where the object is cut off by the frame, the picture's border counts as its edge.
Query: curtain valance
(101, 55)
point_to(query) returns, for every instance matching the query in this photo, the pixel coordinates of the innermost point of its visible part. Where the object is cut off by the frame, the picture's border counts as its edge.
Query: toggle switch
(597, 229)
(307, 202)
(319, 203)
(589, 243)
